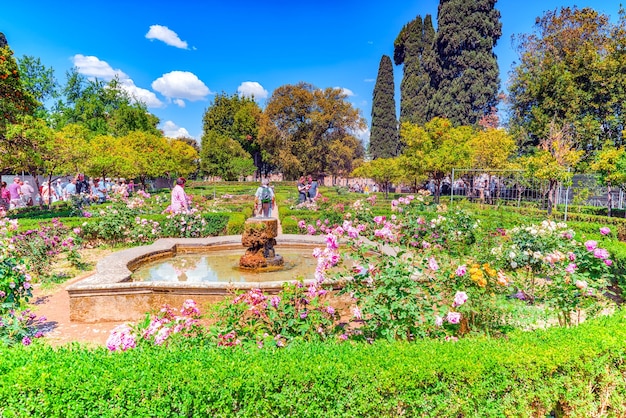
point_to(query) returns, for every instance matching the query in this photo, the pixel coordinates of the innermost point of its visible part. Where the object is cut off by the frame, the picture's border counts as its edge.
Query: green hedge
(575, 372)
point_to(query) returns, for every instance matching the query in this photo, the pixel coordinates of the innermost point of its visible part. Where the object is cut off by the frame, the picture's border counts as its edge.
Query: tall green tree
(384, 137)
(301, 122)
(237, 118)
(468, 86)
(572, 69)
(414, 47)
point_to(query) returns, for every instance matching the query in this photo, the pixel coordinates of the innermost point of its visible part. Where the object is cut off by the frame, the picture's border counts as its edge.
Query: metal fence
(516, 188)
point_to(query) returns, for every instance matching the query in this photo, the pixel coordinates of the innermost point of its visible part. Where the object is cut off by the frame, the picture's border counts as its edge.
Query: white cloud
(165, 34)
(369, 80)
(179, 102)
(181, 85)
(363, 135)
(252, 88)
(91, 66)
(346, 91)
(171, 130)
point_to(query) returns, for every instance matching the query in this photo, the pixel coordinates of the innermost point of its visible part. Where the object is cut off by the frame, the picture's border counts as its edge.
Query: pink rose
(591, 245)
(605, 231)
(461, 270)
(601, 253)
(570, 268)
(459, 299)
(608, 262)
(453, 317)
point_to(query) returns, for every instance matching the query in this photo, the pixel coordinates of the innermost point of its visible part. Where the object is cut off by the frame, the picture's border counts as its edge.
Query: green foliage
(556, 78)
(469, 83)
(15, 99)
(414, 47)
(309, 130)
(224, 157)
(384, 137)
(525, 375)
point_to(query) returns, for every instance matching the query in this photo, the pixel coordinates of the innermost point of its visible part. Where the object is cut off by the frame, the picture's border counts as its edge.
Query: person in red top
(5, 196)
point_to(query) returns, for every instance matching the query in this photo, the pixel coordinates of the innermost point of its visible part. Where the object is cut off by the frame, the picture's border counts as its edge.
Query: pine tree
(384, 138)
(466, 35)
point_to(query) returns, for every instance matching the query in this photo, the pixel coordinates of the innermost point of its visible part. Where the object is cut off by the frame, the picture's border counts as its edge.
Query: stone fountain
(259, 238)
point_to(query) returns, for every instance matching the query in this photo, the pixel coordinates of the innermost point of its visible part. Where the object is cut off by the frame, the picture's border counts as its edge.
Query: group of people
(21, 193)
(308, 189)
(17, 194)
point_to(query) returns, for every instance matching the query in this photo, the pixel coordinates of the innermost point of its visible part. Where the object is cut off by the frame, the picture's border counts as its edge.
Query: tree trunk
(609, 199)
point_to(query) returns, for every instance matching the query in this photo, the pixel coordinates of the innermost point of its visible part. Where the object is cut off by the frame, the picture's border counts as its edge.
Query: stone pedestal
(259, 239)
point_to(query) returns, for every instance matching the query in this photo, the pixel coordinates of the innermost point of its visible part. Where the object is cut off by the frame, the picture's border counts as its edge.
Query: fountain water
(111, 295)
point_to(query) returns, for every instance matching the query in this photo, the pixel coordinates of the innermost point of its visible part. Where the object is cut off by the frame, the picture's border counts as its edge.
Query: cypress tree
(384, 138)
(466, 35)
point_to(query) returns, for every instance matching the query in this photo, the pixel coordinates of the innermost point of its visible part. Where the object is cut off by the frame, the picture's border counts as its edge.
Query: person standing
(100, 191)
(179, 202)
(5, 196)
(82, 186)
(265, 196)
(15, 193)
(28, 193)
(313, 191)
(70, 190)
(302, 190)
(47, 193)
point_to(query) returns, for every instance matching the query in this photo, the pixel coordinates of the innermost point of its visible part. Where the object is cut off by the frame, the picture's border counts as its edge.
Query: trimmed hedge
(575, 372)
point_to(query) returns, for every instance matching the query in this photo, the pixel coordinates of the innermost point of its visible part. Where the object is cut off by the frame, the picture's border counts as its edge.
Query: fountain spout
(259, 238)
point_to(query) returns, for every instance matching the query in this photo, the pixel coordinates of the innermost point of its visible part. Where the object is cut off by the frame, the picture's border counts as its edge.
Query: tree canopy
(572, 69)
(451, 72)
(302, 123)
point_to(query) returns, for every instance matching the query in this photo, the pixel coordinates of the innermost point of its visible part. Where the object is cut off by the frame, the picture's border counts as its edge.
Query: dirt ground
(54, 305)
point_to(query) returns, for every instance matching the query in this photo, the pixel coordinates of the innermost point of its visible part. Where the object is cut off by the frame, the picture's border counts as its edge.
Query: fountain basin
(110, 295)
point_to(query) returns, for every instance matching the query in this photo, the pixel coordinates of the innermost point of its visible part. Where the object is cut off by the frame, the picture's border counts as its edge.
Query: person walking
(5, 196)
(180, 203)
(265, 197)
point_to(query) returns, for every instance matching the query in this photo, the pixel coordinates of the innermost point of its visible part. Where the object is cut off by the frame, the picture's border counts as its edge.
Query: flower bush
(186, 225)
(20, 327)
(167, 326)
(40, 247)
(298, 312)
(16, 326)
(553, 268)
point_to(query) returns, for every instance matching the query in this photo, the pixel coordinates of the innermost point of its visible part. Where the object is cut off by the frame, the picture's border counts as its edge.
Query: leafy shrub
(526, 375)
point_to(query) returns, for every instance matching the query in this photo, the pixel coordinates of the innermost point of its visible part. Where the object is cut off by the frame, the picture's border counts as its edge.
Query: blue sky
(176, 55)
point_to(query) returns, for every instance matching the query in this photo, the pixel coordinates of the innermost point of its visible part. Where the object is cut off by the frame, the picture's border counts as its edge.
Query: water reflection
(223, 266)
